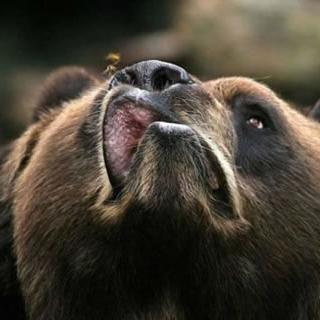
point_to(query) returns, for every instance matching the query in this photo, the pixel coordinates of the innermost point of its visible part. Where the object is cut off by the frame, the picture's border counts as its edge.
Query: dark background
(277, 42)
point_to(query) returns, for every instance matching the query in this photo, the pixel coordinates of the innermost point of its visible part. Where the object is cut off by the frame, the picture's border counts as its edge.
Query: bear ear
(315, 112)
(62, 85)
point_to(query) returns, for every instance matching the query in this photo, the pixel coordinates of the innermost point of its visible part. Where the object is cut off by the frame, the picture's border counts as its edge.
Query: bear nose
(151, 75)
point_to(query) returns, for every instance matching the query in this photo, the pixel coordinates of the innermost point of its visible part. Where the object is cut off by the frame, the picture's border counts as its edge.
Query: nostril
(132, 78)
(164, 77)
(124, 76)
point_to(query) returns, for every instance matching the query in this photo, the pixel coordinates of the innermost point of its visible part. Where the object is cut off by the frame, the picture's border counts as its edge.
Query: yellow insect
(113, 60)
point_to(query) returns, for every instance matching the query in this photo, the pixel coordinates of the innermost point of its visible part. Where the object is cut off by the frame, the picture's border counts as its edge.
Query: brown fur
(163, 247)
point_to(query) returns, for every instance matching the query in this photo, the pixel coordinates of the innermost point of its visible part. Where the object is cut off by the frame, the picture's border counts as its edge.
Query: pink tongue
(123, 131)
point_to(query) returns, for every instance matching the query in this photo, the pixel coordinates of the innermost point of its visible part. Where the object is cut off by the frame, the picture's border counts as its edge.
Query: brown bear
(155, 196)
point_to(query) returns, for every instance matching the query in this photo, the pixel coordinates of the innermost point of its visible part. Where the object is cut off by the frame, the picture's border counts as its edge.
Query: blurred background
(274, 41)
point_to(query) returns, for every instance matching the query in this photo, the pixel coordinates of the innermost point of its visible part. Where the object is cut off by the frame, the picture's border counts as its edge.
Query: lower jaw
(171, 171)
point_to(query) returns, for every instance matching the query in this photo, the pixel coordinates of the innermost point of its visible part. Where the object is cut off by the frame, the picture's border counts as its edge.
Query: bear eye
(256, 122)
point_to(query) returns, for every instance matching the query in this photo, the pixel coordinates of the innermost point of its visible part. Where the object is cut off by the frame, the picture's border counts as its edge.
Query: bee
(113, 59)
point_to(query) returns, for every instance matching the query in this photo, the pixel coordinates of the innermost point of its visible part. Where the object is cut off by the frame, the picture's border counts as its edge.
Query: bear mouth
(128, 119)
(124, 126)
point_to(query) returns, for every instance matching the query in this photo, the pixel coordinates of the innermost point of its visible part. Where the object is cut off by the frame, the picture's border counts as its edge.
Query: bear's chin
(174, 177)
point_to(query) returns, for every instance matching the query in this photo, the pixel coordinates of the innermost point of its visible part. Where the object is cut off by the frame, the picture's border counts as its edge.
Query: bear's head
(156, 196)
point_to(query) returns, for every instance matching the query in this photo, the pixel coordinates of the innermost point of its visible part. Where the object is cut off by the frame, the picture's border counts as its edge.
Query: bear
(153, 195)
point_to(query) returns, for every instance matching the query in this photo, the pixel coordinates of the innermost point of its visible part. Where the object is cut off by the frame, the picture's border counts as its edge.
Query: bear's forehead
(226, 89)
